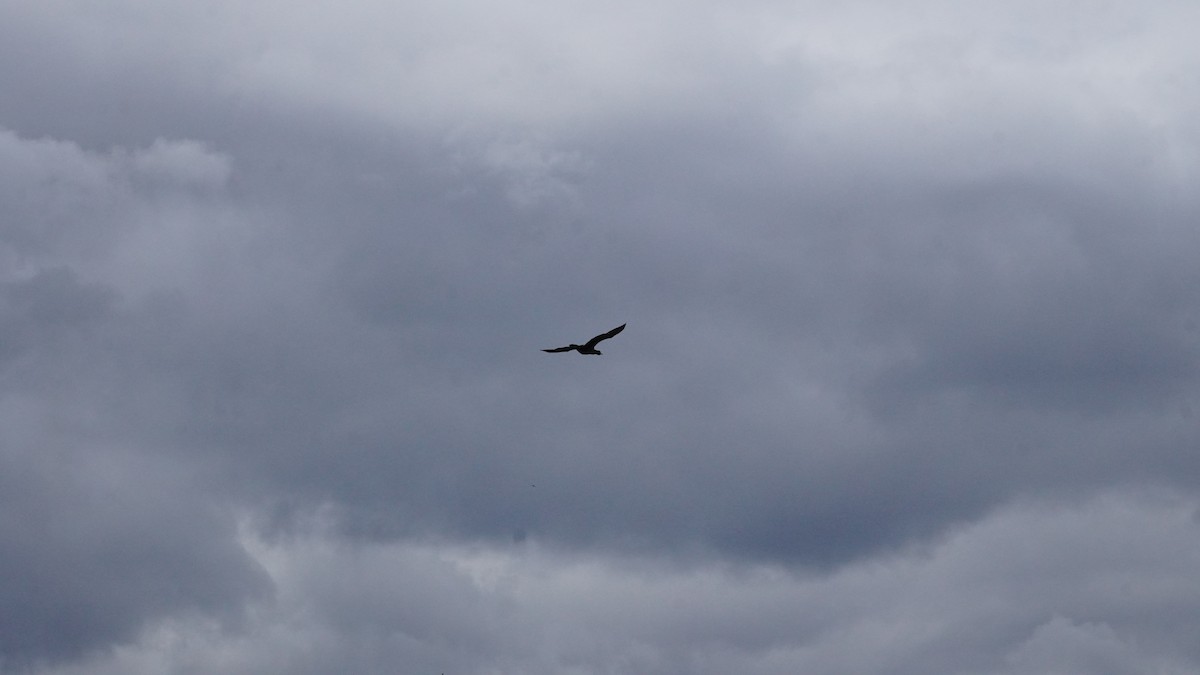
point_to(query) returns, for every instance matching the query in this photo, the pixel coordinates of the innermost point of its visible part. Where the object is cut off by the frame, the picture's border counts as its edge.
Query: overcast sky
(910, 384)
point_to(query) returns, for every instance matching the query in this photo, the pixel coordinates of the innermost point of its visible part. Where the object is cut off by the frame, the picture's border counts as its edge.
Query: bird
(590, 346)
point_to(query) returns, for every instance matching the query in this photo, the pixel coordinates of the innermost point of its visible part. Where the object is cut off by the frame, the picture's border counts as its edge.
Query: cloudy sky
(910, 384)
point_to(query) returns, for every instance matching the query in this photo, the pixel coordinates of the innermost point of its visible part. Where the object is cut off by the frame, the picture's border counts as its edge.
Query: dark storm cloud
(966, 333)
(98, 542)
(46, 307)
(877, 290)
(1008, 594)
(100, 535)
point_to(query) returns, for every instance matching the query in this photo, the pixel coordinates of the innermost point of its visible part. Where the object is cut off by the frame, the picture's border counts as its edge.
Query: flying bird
(590, 347)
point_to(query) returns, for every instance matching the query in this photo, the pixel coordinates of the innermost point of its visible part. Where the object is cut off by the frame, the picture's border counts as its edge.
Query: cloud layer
(910, 382)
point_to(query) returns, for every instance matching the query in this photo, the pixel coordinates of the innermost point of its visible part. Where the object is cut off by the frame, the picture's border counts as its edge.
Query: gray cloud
(99, 541)
(885, 277)
(1078, 587)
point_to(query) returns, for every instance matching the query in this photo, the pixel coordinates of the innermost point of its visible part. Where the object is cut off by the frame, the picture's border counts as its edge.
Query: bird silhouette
(590, 346)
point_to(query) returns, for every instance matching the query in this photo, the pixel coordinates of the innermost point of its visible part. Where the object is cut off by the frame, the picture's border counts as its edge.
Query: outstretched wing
(591, 344)
(560, 349)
